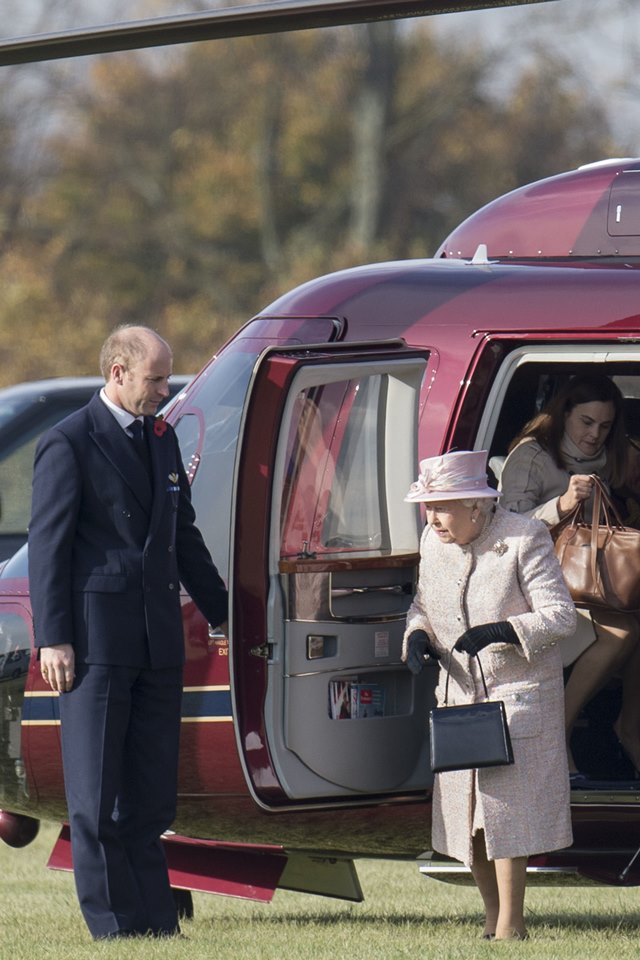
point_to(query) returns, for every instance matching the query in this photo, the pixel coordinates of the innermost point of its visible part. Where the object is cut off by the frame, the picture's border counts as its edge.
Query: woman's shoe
(630, 752)
(627, 756)
(581, 781)
(514, 935)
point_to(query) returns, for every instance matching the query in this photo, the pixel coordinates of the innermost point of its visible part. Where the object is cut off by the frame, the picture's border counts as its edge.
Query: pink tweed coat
(508, 573)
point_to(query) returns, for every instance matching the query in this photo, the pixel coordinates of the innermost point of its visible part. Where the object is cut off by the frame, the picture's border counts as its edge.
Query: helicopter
(304, 740)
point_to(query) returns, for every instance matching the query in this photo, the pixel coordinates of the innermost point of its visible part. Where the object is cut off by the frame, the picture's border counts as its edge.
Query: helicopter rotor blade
(273, 16)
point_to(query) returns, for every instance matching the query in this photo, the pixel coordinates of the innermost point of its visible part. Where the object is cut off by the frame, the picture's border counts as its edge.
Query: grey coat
(508, 573)
(532, 482)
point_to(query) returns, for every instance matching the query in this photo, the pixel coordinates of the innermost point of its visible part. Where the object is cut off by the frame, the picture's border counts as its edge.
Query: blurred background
(186, 187)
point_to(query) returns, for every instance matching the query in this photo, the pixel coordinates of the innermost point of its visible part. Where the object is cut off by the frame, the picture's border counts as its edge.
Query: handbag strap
(602, 507)
(604, 504)
(446, 686)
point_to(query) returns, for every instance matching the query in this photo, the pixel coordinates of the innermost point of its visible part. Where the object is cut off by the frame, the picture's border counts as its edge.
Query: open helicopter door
(323, 569)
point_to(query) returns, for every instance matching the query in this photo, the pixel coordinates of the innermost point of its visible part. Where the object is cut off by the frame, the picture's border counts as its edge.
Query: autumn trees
(186, 189)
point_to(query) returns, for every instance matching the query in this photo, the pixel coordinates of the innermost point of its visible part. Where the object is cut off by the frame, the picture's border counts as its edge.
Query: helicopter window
(208, 420)
(207, 431)
(333, 490)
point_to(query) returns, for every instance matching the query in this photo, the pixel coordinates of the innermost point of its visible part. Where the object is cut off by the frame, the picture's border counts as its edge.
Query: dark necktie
(139, 441)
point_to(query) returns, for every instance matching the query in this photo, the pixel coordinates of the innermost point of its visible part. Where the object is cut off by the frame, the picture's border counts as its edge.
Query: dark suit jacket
(106, 553)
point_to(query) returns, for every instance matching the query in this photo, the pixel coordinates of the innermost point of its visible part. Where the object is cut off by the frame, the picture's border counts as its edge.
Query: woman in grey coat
(489, 581)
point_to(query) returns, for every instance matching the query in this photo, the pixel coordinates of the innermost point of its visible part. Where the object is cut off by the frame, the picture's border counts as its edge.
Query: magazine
(351, 700)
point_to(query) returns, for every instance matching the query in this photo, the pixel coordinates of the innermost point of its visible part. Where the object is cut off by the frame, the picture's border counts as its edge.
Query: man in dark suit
(112, 534)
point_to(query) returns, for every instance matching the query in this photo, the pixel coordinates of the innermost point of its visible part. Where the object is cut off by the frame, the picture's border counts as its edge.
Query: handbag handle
(603, 507)
(446, 686)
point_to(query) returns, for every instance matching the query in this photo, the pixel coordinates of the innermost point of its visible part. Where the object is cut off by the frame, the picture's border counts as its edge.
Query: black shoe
(116, 935)
(161, 933)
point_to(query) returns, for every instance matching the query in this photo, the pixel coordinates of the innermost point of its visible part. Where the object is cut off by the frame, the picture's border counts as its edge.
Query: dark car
(26, 411)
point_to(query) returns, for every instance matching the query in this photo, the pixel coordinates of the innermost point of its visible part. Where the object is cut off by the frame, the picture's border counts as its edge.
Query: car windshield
(12, 407)
(17, 449)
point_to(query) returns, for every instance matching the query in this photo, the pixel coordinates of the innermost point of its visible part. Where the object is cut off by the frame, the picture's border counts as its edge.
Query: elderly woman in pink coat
(489, 581)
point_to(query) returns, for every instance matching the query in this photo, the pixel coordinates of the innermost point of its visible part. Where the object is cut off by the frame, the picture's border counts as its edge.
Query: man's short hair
(127, 344)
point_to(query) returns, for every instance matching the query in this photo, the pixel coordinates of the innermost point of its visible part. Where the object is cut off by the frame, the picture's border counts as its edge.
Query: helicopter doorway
(323, 571)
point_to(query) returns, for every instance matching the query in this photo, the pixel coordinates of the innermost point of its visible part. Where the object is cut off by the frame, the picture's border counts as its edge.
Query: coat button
(171, 549)
(170, 586)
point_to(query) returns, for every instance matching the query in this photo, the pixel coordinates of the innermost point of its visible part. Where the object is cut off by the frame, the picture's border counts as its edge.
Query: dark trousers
(120, 737)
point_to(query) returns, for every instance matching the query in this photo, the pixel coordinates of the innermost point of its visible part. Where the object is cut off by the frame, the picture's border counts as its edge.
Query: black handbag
(471, 735)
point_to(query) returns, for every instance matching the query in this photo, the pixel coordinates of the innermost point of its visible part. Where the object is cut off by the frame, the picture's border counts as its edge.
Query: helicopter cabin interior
(527, 379)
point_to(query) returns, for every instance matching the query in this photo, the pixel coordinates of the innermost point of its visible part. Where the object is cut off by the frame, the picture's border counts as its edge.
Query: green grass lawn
(403, 915)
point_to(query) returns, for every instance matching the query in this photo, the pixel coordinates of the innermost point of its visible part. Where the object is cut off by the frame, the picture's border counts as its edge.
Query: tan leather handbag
(600, 559)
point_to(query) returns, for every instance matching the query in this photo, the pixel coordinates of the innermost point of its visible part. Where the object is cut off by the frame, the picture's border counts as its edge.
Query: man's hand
(57, 666)
(477, 638)
(419, 650)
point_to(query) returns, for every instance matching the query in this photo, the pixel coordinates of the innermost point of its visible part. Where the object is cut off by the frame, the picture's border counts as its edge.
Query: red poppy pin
(159, 426)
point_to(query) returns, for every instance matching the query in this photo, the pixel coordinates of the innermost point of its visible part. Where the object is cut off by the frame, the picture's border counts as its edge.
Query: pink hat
(459, 475)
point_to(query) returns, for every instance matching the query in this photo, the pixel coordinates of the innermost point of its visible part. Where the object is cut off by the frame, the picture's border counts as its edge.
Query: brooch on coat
(500, 547)
(173, 481)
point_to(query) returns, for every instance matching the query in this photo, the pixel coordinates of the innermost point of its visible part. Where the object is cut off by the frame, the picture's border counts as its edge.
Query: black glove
(476, 638)
(418, 649)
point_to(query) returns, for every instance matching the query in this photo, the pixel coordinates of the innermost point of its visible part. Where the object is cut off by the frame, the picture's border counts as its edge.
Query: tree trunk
(371, 113)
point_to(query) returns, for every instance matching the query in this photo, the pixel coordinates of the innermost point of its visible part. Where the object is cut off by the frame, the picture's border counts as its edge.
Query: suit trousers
(120, 738)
